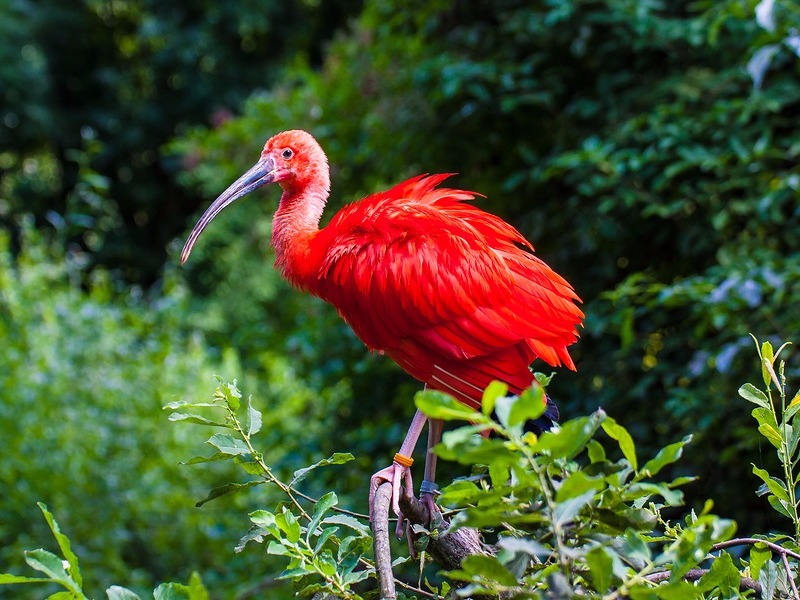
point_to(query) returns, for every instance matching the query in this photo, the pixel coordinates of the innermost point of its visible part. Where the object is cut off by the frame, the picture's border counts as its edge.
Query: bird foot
(400, 478)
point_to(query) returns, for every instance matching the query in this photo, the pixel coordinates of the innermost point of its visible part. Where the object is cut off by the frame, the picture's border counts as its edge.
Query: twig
(379, 523)
(745, 583)
(752, 541)
(789, 577)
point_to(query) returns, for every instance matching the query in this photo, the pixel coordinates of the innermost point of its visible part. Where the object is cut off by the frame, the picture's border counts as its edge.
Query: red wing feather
(451, 292)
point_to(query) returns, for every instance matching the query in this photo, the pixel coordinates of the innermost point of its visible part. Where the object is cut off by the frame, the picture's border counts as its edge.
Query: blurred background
(649, 150)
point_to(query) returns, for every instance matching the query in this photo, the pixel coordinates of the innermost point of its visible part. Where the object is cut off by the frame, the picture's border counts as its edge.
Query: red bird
(454, 295)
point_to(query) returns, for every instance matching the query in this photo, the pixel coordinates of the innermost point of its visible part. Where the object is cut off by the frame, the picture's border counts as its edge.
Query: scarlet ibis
(453, 294)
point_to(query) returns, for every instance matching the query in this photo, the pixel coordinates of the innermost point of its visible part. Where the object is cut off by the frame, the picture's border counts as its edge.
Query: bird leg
(428, 487)
(399, 472)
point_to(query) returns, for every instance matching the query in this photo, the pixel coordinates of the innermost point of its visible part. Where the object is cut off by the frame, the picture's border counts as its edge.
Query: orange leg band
(402, 460)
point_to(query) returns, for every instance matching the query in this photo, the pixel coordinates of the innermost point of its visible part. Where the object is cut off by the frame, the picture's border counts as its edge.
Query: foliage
(648, 149)
(66, 573)
(84, 373)
(627, 140)
(125, 77)
(571, 512)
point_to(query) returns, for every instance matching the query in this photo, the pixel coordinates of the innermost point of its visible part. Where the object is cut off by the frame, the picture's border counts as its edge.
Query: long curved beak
(259, 174)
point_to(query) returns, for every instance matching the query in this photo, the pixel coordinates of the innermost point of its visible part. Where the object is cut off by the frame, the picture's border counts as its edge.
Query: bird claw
(400, 478)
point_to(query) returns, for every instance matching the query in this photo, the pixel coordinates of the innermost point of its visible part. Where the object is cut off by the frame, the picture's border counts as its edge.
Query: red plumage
(452, 293)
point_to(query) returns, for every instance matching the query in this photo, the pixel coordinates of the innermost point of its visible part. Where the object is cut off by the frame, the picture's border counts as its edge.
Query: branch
(379, 523)
(745, 583)
(448, 551)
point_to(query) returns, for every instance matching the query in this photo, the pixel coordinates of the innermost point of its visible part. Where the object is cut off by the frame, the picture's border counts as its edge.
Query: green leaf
(524, 546)
(481, 567)
(767, 425)
(8, 578)
(566, 511)
(495, 390)
(227, 444)
(768, 578)
(326, 562)
(775, 485)
(347, 521)
(337, 458)
(52, 566)
(759, 555)
(438, 405)
(192, 418)
(459, 492)
(288, 524)
(171, 591)
(116, 592)
(666, 456)
(599, 561)
(228, 488)
(595, 451)
(63, 544)
(327, 532)
(624, 439)
(577, 484)
(320, 508)
(767, 357)
(752, 394)
(514, 411)
(779, 505)
(204, 459)
(570, 438)
(252, 418)
(197, 590)
(230, 394)
(278, 549)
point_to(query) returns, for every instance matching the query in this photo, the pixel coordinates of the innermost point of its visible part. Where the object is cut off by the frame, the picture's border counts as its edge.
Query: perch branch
(379, 523)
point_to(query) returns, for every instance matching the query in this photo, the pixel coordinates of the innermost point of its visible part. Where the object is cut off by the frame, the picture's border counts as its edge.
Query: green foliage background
(626, 139)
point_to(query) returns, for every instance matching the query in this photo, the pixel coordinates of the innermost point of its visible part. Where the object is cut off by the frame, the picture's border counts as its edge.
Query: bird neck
(294, 226)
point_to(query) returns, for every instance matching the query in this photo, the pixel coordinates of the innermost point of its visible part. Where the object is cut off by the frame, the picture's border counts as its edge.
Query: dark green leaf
(481, 567)
(228, 488)
(598, 559)
(338, 458)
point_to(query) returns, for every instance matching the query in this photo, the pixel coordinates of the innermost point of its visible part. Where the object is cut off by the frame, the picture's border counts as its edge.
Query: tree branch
(379, 523)
(448, 551)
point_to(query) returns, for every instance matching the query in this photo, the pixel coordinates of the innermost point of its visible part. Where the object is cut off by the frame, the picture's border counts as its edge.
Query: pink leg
(428, 488)
(398, 474)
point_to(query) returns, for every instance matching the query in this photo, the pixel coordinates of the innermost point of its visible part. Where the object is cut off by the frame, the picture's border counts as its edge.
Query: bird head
(293, 159)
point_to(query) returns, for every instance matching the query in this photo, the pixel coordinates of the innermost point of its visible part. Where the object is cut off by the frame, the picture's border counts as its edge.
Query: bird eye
(287, 154)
